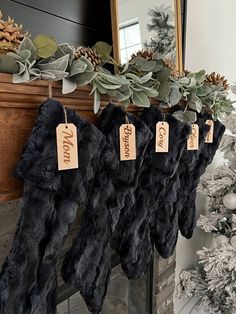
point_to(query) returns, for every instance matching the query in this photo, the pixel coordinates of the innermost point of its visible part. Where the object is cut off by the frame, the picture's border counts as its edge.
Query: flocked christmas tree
(214, 280)
(162, 27)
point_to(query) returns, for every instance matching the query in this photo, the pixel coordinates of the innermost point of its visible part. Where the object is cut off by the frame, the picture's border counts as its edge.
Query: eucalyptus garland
(137, 81)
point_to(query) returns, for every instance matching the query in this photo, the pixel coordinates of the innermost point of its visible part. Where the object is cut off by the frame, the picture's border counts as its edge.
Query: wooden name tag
(209, 136)
(67, 150)
(193, 140)
(127, 142)
(162, 137)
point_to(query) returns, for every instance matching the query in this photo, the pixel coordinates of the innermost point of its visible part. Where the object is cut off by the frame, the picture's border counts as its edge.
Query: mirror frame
(178, 29)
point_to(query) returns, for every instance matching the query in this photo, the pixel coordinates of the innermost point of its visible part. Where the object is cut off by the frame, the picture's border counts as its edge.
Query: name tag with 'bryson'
(127, 142)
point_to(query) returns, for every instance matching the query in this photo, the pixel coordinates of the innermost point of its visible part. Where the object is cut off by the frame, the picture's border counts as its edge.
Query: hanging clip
(126, 119)
(49, 89)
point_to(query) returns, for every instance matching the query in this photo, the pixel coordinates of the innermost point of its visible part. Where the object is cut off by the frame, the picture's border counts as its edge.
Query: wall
(76, 23)
(210, 45)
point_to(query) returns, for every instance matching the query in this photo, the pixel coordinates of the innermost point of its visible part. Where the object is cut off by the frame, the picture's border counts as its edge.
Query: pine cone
(216, 79)
(146, 54)
(11, 35)
(91, 55)
(170, 64)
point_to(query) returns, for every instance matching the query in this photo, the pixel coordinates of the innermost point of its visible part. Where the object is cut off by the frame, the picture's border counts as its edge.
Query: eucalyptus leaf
(164, 89)
(157, 68)
(175, 96)
(143, 64)
(84, 78)
(94, 87)
(190, 116)
(184, 80)
(97, 101)
(164, 104)
(203, 90)
(35, 72)
(136, 88)
(110, 86)
(152, 93)
(146, 78)
(22, 68)
(21, 78)
(118, 96)
(126, 103)
(192, 82)
(27, 44)
(179, 115)
(8, 64)
(126, 94)
(47, 75)
(124, 87)
(68, 86)
(125, 68)
(163, 74)
(57, 65)
(24, 55)
(143, 87)
(78, 66)
(103, 49)
(56, 75)
(134, 77)
(200, 76)
(140, 99)
(65, 49)
(90, 67)
(45, 45)
(195, 103)
(101, 89)
(115, 79)
(112, 92)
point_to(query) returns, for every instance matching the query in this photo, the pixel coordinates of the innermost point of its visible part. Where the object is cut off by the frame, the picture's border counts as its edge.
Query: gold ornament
(216, 79)
(91, 55)
(11, 35)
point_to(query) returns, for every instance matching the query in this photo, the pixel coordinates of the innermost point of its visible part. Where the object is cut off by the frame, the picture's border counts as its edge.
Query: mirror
(150, 24)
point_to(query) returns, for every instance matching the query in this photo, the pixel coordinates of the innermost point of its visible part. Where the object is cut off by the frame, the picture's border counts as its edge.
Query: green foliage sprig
(137, 81)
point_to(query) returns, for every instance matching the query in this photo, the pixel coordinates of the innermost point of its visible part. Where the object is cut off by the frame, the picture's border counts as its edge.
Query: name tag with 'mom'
(67, 150)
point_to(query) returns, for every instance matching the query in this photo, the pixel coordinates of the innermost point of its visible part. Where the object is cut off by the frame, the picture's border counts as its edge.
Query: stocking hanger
(49, 89)
(126, 119)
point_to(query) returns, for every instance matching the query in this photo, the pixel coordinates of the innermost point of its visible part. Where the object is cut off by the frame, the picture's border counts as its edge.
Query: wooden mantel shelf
(18, 110)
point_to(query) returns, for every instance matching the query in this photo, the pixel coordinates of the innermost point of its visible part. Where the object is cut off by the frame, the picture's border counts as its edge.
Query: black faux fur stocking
(165, 237)
(132, 239)
(182, 210)
(87, 264)
(186, 202)
(50, 200)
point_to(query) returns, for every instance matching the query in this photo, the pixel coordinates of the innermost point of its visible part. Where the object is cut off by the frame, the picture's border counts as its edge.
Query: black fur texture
(189, 183)
(133, 236)
(131, 206)
(172, 198)
(28, 277)
(88, 263)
